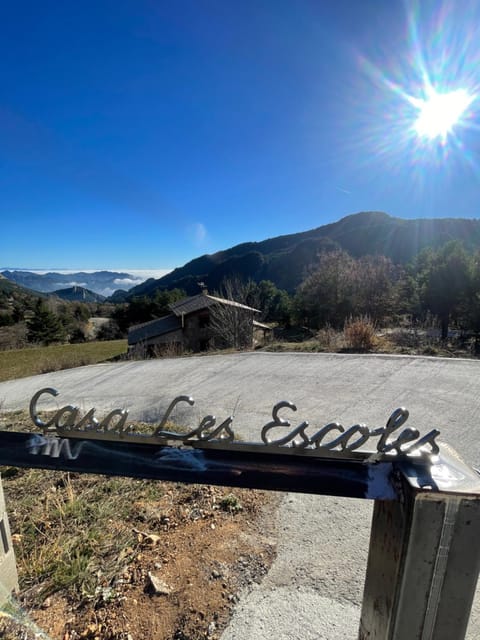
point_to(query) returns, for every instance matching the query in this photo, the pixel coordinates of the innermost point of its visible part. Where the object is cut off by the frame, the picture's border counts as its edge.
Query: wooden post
(423, 562)
(8, 568)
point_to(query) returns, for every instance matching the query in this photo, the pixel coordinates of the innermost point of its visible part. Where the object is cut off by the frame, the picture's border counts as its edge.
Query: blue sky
(139, 135)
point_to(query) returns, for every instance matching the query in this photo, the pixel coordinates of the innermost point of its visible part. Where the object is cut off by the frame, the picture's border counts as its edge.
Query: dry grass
(19, 363)
(72, 532)
(308, 346)
(64, 529)
(141, 351)
(359, 333)
(85, 546)
(329, 339)
(360, 336)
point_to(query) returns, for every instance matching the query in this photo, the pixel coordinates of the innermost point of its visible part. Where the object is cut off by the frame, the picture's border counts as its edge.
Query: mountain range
(103, 283)
(285, 259)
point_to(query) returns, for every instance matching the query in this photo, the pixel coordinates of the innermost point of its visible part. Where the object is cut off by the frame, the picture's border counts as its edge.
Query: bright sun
(440, 112)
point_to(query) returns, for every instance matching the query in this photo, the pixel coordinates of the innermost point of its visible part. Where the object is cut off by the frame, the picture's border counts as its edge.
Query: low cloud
(126, 283)
(140, 275)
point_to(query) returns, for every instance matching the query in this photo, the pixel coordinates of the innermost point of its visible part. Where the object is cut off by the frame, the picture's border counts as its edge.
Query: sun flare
(440, 112)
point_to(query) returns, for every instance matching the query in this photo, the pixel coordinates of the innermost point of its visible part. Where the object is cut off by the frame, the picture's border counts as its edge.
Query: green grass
(19, 363)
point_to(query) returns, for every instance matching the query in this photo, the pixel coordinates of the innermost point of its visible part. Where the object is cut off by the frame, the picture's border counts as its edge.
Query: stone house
(199, 323)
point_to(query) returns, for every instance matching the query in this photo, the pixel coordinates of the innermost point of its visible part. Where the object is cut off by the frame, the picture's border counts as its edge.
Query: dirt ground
(200, 569)
(182, 554)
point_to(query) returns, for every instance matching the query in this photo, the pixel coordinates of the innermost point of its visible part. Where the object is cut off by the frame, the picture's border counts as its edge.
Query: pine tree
(44, 327)
(446, 281)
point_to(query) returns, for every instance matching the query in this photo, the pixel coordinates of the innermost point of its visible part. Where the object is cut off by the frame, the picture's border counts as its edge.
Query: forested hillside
(30, 317)
(384, 271)
(285, 260)
(78, 294)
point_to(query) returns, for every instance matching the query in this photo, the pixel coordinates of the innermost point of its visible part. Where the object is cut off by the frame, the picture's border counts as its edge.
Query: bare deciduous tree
(232, 325)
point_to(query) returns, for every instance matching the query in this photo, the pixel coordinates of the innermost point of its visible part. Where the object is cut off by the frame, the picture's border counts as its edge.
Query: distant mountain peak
(285, 259)
(103, 283)
(78, 294)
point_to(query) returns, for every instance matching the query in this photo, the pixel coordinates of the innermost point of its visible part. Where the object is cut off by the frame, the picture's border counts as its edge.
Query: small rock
(216, 574)
(152, 538)
(211, 628)
(158, 586)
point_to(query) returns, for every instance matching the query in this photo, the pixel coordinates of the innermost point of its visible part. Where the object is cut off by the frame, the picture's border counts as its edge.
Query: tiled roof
(158, 327)
(204, 301)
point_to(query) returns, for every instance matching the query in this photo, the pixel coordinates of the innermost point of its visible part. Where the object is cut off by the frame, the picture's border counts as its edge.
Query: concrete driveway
(314, 587)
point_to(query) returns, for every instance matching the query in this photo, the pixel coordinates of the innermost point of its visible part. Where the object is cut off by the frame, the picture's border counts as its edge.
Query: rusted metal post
(424, 557)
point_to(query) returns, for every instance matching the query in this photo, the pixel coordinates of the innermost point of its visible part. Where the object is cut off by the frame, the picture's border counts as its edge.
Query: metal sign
(424, 558)
(331, 440)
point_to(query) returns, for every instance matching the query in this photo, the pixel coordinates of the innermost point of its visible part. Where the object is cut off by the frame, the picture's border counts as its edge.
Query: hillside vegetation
(30, 317)
(78, 294)
(285, 259)
(417, 274)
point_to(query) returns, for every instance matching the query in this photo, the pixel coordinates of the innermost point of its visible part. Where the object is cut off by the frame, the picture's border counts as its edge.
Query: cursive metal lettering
(353, 438)
(391, 440)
